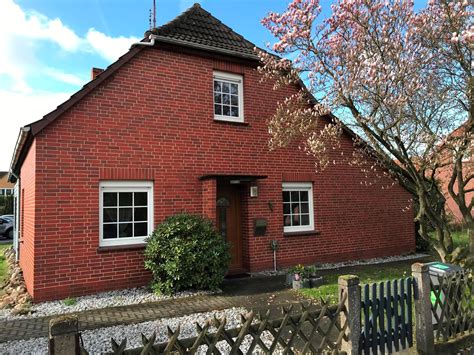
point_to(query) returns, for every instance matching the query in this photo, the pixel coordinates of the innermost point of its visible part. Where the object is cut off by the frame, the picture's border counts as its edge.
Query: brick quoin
(153, 120)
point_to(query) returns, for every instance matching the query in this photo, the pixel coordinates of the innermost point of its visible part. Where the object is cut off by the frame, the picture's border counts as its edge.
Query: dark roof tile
(197, 26)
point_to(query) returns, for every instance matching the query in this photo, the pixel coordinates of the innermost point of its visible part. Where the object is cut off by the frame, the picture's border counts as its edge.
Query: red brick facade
(153, 120)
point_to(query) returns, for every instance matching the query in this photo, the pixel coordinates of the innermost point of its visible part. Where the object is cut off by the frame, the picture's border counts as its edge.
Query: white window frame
(233, 79)
(125, 186)
(301, 186)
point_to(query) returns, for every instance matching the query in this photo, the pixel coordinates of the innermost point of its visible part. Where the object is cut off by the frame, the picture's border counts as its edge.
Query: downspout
(24, 131)
(17, 215)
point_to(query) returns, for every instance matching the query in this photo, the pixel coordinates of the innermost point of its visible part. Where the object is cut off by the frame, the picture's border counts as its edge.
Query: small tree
(185, 252)
(400, 78)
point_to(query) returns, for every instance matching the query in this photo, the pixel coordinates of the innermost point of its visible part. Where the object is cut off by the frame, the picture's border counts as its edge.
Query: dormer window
(228, 97)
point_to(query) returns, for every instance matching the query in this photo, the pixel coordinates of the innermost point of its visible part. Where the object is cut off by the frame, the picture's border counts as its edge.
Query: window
(228, 97)
(298, 214)
(126, 212)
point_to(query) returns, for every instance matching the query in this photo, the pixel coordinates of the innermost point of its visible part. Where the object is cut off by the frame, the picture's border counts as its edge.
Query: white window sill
(298, 230)
(229, 119)
(301, 233)
(123, 247)
(122, 242)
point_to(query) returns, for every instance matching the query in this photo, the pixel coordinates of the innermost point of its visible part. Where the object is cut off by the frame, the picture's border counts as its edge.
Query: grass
(70, 301)
(460, 238)
(3, 263)
(3, 266)
(366, 273)
(371, 273)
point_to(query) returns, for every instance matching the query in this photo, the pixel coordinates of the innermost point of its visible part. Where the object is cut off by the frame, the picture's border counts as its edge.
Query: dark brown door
(228, 223)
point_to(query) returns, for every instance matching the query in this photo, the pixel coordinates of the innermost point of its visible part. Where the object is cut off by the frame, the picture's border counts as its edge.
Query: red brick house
(179, 124)
(444, 175)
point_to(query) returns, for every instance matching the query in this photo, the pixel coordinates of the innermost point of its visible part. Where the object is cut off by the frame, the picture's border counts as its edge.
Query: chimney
(95, 72)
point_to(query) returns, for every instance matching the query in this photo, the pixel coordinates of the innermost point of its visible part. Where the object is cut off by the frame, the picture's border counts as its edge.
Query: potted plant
(311, 275)
(298, 277)
(290, 275)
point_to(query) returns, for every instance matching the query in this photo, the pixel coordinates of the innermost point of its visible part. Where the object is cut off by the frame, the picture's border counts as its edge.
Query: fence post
(64, 335)
(423, 317)
(349, 284)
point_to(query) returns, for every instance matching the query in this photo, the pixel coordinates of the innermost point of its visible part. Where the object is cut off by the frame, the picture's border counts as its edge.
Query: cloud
(66, 78)
(108, 47)
(19, 109)
(23, 35)
(33, 25)
(22, 32)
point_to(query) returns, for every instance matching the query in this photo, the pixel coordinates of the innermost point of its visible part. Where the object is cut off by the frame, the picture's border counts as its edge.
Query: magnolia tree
(398, 77)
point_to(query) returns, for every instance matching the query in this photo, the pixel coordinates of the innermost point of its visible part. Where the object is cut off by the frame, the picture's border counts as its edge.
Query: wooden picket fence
(308, 331)
(452, 305)
(386, 316)
(375, 319)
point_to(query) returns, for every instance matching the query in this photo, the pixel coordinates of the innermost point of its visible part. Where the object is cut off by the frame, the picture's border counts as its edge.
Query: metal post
(349, 284)
(423, 317)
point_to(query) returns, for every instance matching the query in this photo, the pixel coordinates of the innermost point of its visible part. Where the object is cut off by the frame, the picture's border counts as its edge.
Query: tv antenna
(152, 16)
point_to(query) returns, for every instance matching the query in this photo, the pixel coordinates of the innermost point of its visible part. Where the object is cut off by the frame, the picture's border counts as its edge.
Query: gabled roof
(198, 28)
(195, 28)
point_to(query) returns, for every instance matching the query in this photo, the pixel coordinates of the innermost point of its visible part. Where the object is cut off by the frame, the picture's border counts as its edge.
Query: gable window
(228, 97)
(298, 214)
(126, 212)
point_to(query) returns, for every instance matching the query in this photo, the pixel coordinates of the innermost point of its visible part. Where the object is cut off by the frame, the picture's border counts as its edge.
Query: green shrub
(185, 252)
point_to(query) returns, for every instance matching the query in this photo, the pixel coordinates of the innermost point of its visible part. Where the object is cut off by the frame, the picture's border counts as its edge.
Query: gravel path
(98, 341)
(96, 301)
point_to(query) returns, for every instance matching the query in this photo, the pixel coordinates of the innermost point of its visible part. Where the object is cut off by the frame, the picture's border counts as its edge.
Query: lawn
(460, 238)
(366, 273)
(3, 263)
(371, 273)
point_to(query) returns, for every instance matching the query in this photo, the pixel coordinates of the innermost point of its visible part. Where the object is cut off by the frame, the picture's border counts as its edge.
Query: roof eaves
(213, 49)
(37, 126)
(28, 132)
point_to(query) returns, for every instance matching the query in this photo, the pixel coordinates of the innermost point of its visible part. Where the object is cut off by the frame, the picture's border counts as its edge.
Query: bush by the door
(185, 252)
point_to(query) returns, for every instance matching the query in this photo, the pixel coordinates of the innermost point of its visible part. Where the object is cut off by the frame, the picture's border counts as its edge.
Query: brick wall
(28, 204)
(444, 175)
(153, 120)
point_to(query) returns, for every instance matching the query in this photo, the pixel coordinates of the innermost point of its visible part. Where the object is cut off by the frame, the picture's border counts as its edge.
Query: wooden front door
(228, 222)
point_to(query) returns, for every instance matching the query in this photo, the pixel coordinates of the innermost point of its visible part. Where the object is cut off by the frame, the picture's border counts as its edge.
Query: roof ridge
(227, 28)
(198, 27)
(173, 21)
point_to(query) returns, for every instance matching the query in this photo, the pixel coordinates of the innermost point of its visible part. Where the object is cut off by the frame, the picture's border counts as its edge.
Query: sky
(48, 47)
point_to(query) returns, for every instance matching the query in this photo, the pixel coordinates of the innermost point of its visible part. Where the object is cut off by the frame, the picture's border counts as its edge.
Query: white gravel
(382, 260)
(98, 341)
(99, 300)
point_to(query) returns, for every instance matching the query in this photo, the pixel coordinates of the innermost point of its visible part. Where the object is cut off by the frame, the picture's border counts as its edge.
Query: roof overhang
(21, 149)
(203, 47)
(233, 178)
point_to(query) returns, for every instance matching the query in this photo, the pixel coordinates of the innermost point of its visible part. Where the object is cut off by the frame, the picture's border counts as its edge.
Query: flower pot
(289, 279)
(316, 281)
(298, 284)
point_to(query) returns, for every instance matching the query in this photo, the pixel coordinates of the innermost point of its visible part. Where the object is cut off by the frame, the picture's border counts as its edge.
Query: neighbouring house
(179, 123)
(444, 176)
(7, 190)
(6, 187)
